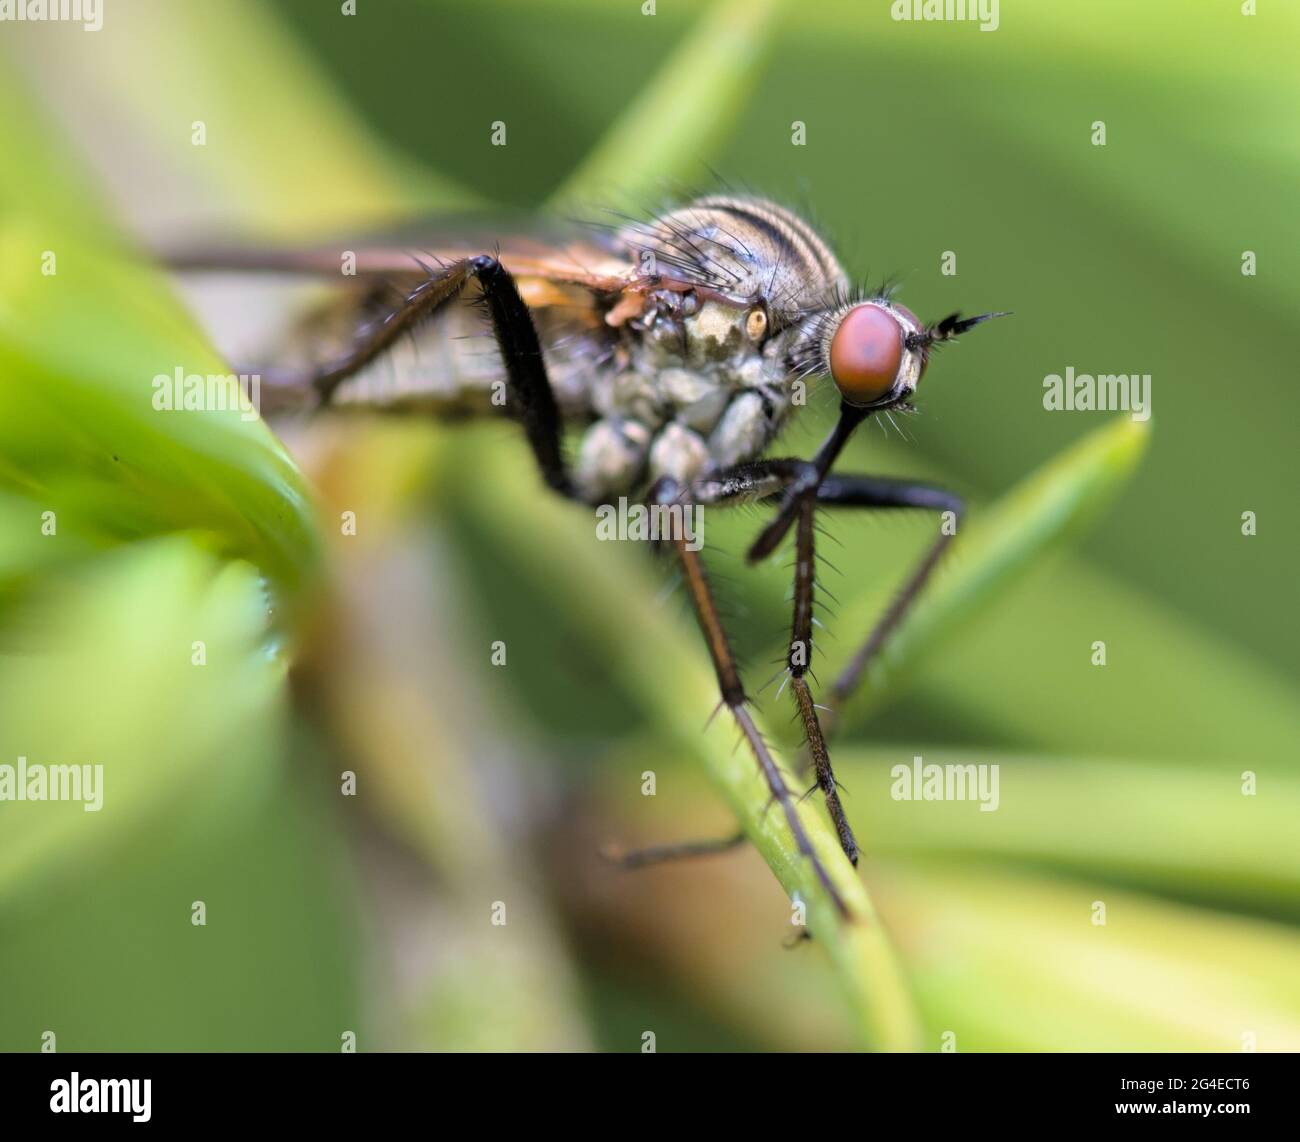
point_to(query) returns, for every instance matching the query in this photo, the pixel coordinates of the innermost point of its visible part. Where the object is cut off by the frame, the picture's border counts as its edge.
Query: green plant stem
(606, 589)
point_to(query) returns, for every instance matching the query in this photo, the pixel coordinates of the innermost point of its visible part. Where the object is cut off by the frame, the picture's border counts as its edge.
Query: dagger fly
(675, 350)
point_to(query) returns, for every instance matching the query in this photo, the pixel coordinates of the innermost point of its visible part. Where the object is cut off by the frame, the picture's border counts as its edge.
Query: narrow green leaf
(191, 802)
(243, 123)
(1173, 688)
(994, 547)
(1014, 962)
(84, 434)
(1125, 820)
(96, 449)
(119, 682)
(687, 109)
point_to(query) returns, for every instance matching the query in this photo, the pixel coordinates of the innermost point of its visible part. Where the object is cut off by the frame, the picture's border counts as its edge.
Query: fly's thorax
(701, 387)
(742, 247)
(704, 378)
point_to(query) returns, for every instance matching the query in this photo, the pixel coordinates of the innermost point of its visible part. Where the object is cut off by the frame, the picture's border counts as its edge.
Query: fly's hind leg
(512, 325)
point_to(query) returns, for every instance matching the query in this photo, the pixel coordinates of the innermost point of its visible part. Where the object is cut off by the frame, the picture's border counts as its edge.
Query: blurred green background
(372, 914)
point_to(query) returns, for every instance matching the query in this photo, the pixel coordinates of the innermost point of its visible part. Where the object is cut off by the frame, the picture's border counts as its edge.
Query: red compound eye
(866, 353)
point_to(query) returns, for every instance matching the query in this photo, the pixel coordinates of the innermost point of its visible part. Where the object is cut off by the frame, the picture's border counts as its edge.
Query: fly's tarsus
(662, 854)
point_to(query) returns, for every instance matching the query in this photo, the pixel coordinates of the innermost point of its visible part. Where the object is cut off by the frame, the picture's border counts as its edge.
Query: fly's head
(876, 351)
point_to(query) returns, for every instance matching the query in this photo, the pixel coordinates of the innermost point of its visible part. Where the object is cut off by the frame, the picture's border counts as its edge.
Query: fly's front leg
(798, 660)
(879, 492)
(800, 501)
(516, 337)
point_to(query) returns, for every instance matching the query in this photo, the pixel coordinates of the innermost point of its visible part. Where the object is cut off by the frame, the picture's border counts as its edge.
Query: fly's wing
(528, 249)
(292, 311)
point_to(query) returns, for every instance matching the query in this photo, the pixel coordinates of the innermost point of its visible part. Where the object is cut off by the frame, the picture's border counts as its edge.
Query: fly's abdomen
(450, 364)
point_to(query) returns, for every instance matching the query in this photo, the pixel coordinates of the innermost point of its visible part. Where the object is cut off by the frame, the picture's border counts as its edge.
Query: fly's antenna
(949, 329)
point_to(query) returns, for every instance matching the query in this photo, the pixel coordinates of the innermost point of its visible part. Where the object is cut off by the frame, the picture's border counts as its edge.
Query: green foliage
(84, 333)
(171, 529)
